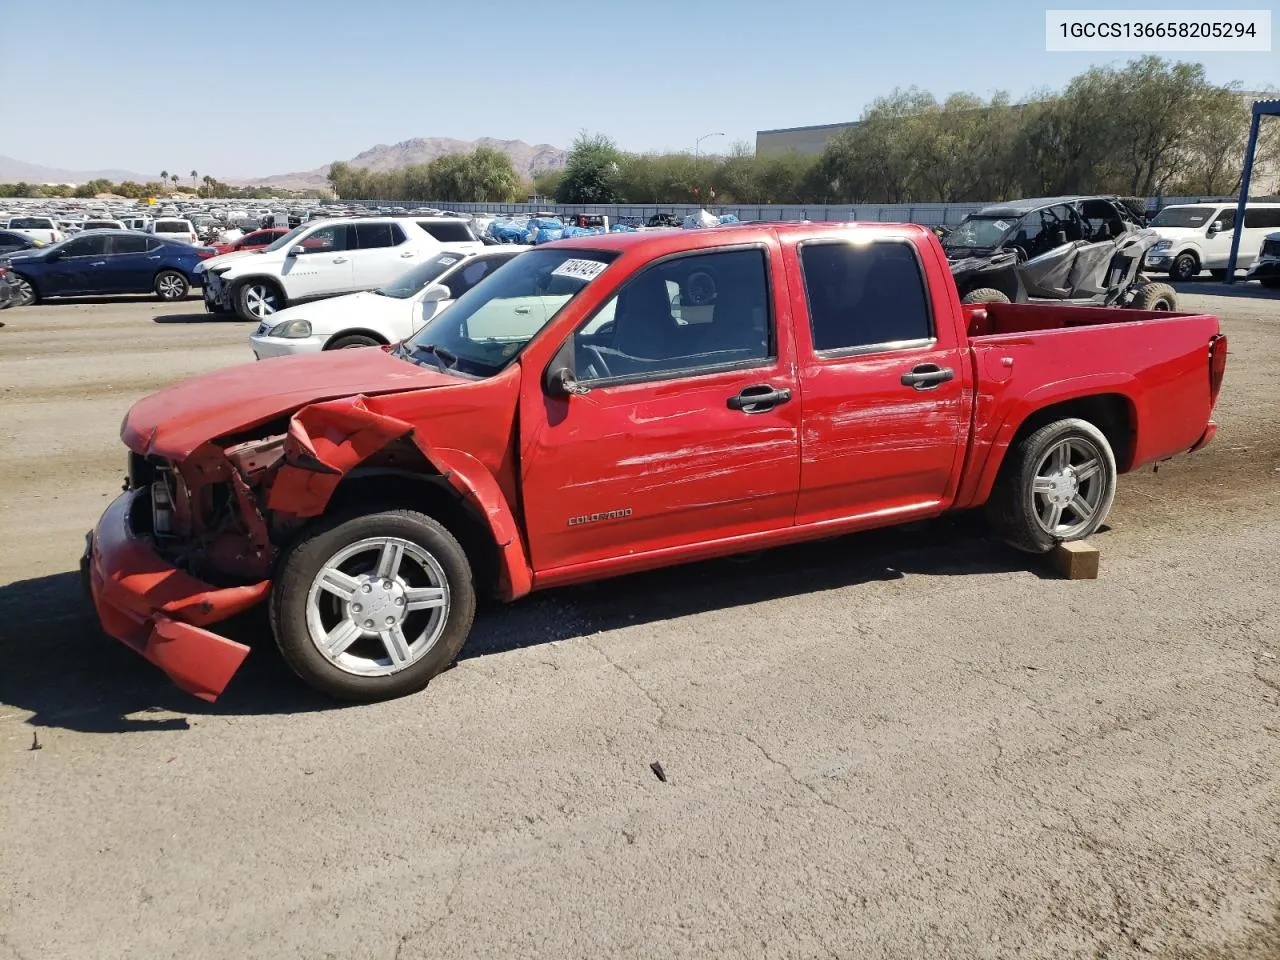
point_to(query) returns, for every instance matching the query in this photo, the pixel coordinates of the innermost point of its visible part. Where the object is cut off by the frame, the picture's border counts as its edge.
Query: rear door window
(1265, 218)
(866, 296)
(448, 232)
(372, 235)
(122, 244)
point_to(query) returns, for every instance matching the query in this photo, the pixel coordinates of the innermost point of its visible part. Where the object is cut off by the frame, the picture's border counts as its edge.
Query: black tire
(1011, 508)
(25, 293)
(1186, 266)
(301, 563)
(1271, 283)
(984, 295)
(1155, 296)
(353, 340)
(245, 292)
(171, 286)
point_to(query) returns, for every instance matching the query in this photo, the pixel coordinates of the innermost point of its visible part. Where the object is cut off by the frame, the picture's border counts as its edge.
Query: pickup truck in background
(612, 404)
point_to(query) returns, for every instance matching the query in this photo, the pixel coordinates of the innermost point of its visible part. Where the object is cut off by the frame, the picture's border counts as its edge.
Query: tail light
(204, 253)
(1217, 365)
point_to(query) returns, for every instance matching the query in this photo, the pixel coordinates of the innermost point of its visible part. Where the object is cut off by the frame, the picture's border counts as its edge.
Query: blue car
(105, 261)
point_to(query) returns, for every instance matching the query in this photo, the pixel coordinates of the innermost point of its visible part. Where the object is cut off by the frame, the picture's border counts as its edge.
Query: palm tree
(208, 185)
(164, 176)
(193, 177)
(174, 178)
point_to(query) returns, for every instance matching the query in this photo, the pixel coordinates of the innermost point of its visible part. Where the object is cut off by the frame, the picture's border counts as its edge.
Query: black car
(1080, 250)
(11, 242)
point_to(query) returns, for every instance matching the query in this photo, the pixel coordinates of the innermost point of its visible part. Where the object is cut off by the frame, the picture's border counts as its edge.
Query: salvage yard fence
(932, 214)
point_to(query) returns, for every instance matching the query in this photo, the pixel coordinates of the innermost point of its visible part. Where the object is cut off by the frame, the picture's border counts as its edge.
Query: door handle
(98, 263)
(339, 259)
(758, 398)
(407, 253)
(157, 257)
(927, 376)
(522, 310)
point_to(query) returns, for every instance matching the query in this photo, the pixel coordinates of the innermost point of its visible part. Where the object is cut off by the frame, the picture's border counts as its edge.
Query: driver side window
(699, 312)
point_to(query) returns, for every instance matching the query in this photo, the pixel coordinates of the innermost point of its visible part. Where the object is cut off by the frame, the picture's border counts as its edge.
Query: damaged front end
(194, 538)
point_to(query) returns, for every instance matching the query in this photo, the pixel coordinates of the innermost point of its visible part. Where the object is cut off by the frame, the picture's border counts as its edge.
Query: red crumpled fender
(326, 441)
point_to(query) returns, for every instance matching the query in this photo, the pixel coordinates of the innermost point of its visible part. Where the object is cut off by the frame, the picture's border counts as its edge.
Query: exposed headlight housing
(291, 329)
(1162, 245)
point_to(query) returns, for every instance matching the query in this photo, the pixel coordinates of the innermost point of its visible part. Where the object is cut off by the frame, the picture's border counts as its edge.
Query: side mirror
(435, 293)
(1215, 227)
(297, 251)
(560, 382)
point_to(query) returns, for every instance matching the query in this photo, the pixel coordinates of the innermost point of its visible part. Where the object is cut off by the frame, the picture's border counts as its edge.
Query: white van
(1197, 236)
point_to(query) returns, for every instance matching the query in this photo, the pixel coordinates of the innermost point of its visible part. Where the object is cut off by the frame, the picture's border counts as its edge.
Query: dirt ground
(903, 744)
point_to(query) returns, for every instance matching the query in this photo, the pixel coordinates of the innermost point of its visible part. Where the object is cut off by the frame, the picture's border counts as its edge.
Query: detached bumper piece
(160, 611)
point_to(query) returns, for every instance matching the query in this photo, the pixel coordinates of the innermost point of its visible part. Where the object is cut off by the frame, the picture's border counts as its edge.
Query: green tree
(592, 172)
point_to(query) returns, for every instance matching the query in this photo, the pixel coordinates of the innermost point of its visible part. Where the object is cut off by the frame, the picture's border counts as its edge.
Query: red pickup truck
(616, 403)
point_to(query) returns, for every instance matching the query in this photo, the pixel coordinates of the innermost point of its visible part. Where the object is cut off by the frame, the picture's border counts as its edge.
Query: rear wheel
(984, 295)
(170, 285)
(353, 340)
(1056, 485)
(258, 299)
(24, 294)
(1155, 296)
(1185, 267)
(370, 607)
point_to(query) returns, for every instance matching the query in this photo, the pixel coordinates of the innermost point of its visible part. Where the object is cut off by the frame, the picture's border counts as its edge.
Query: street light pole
(696, 144)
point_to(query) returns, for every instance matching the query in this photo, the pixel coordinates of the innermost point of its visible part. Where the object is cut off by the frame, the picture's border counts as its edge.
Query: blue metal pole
(1244, 195)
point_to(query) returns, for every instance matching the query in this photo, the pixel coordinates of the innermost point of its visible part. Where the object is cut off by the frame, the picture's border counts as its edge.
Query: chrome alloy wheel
(170, 287)
(377, 606)
(260, 300)
(1069, 487)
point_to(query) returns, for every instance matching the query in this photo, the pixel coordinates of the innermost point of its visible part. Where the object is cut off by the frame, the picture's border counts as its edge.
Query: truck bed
(995, 319)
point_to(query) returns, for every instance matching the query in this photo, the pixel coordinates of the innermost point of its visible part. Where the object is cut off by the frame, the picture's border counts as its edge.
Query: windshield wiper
(444, 357)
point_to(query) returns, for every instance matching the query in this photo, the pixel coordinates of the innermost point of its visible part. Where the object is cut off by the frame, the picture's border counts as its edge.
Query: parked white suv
(37, 228)
(174, 228)
(1197, 236)
(319, 259)
(388, 314)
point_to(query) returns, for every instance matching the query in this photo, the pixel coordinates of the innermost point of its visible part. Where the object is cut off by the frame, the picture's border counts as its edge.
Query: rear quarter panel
(1159, 365)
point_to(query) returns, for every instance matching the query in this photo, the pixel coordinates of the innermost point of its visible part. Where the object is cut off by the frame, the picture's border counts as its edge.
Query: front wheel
(353, 340)
(1056, 485)
(1271, 283)
(371, 607)
(1185, 267)
(170, 285)
(24, 294)
(257, 300)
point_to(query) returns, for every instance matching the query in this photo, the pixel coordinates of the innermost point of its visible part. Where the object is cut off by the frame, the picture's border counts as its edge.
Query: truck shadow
(1248, 290)
(66, 673)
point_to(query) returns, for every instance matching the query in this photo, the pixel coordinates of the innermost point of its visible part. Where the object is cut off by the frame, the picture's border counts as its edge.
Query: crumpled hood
(178, 419)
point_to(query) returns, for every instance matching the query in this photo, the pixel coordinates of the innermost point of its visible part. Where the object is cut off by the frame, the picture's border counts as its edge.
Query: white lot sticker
(1001, 225)
(580, 269)
(447, 261)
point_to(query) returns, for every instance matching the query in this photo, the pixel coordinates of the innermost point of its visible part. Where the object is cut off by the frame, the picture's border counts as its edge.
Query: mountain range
(526, 158)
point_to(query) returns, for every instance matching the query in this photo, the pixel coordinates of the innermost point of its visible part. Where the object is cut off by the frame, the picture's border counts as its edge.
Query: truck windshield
(1183, 216)
(487, 327)
(984, 233)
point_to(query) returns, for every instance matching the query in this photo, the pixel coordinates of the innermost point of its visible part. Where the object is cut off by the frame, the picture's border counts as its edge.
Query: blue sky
(254, 88)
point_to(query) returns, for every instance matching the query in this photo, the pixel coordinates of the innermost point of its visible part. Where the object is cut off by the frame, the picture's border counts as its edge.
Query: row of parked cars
(1079, 250)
